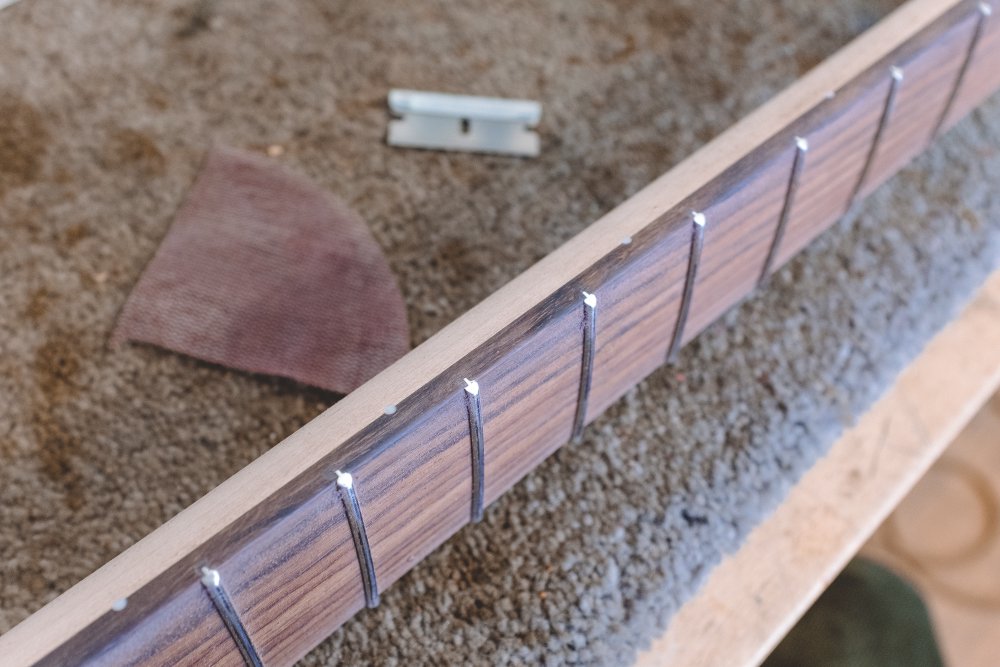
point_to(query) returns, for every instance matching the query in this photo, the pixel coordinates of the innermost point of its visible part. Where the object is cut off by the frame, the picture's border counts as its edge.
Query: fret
(586, 364)
(293, 568)
(801, 147)
(929, 77)
(356, 521)
(476, 440)
(895, 80)
(984, 11)
(212, 582)
(698, 222)
(982, 76)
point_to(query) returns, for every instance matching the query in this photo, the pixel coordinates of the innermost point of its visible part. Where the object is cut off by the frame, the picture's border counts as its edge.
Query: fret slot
(587, 363)
(984, 12)
(801, 146)
(211, 580)
(694, 258)
(476, 439)
(345, 482)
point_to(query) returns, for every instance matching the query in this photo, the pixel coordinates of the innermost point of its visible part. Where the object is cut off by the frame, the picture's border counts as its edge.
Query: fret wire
(587, 363)
(801, 146)
(477, 442)
(345, 482)
(895, 79)
(698, 221)
(985, 10)
(211, 581)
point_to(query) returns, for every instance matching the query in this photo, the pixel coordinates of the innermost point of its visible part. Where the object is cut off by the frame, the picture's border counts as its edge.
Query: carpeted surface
(106, 110)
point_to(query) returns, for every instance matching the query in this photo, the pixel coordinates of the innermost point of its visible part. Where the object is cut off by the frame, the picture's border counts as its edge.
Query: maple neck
(277, 558)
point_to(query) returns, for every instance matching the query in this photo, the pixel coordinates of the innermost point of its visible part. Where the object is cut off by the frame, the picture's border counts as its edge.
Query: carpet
(106, 111)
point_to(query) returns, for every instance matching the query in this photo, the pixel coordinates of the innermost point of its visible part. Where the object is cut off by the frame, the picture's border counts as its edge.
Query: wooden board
(277, 531)
(752, 599)
(945, 538)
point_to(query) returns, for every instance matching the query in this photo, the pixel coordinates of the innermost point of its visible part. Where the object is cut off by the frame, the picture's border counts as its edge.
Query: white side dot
(119, 605)
(390, 410)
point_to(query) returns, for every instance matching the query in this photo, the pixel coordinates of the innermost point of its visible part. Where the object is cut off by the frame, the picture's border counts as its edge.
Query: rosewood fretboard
(277, 558)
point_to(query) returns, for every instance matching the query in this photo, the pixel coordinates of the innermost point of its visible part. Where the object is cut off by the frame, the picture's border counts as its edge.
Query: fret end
(698, 218)
(471, 386)
(985, 9)
(210, 577)
(590, 300)
(896, 73)
(345, 480)
(802, 144)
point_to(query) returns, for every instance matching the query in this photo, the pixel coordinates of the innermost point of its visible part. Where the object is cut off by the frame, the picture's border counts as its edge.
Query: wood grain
(945, 539)
(983, 74)
(274, 526)
(929, 79)
(750, 601)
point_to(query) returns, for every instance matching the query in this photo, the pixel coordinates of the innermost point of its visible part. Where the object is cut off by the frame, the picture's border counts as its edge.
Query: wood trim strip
(276, 527)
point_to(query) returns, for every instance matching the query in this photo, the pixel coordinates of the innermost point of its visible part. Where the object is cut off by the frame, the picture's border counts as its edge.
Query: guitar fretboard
(351, 502)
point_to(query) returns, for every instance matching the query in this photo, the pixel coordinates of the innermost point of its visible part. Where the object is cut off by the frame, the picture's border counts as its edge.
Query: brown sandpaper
(264, 272)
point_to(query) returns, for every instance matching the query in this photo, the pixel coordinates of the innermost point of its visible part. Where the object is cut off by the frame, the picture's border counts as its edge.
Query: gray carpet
(106, 109)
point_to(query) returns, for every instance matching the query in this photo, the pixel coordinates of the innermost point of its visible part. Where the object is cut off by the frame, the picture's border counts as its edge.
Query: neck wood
(295, 553)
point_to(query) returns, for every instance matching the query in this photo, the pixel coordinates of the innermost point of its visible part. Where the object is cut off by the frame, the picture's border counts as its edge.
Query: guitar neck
(274, 560)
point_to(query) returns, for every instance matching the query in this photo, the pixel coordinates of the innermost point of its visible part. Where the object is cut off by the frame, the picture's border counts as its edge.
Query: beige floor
(945, 536)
